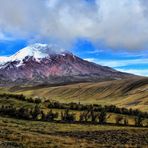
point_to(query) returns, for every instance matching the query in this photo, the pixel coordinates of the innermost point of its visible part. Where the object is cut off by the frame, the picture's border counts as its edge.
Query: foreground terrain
(46, 133)
(27, 122)
(20, 133)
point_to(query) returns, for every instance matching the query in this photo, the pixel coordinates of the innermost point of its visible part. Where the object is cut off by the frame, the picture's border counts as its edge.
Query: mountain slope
(41, 63)
(130, 93)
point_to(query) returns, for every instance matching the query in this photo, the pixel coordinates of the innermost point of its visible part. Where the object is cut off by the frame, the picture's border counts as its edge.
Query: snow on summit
(37, 51)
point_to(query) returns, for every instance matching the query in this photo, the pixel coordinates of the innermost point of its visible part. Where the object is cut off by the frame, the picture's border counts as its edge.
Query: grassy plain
(36, 134)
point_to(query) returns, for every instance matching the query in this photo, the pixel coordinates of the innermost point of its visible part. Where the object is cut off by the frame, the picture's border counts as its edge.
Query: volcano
(49, 64)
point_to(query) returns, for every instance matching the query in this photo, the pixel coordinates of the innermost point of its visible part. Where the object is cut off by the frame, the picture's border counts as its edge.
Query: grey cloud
(144, 4)
(117, 23)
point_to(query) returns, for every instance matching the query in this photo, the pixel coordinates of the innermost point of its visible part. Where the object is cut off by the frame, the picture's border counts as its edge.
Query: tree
(36, 112)
(24, 113)
(103, 116)
(94, 116)
(138, 120)
(125, 121)
(85, 116)
(51, 116)
(67, 116)
(43, 116)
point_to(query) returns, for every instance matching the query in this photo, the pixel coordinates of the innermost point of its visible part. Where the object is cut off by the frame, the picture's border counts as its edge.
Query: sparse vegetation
(67, 116)
(91, 114)
(138, 120)
(36, 134)
(68, 120)
(119, 120)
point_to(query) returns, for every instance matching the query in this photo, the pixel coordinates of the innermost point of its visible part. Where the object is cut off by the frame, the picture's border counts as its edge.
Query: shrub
(51, 116)
(67, 116)
(119, 120)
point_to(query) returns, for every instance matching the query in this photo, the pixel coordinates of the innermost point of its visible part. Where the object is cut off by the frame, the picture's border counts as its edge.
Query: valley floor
(16, 133)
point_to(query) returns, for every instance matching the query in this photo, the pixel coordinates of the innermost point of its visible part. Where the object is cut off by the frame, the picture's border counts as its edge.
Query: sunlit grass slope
(129, 93)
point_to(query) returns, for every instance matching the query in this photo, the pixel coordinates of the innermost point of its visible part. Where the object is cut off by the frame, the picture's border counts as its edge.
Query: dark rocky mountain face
(32, 66)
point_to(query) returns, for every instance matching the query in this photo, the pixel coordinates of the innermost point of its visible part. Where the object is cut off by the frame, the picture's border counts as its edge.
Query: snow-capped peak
(4, 60)
(36, 50)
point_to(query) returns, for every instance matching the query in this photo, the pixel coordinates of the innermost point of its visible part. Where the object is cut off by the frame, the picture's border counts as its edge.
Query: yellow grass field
(129, 93)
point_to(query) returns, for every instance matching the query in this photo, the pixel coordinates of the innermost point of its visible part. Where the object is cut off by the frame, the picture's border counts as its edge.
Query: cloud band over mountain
(114, 22)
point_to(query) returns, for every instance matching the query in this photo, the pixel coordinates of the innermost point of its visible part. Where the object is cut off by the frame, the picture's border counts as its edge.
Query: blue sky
(108, 32)
(123, 60)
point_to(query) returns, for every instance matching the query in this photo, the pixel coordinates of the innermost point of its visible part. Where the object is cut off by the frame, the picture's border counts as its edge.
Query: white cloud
(91, 60)
(141, 72)
(118, 63)
(117, 23)
(3, 37)
(96, 51)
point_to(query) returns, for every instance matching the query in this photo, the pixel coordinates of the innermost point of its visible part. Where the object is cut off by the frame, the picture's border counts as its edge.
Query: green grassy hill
(129, 93)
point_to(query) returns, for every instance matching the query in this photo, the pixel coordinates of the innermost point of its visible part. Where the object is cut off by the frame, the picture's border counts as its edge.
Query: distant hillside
(130, 93)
